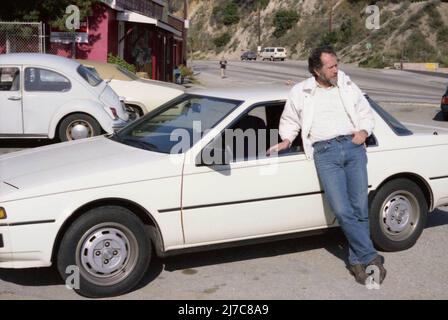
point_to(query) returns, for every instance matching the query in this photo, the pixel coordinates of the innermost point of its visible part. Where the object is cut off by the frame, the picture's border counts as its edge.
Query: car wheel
(398, 214)
(109, 247)
(78, 126)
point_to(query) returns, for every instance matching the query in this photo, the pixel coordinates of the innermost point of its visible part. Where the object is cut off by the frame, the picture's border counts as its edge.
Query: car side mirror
(212, 155)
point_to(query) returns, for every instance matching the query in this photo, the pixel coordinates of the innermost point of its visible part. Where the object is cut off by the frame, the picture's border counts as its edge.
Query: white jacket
(299, 110)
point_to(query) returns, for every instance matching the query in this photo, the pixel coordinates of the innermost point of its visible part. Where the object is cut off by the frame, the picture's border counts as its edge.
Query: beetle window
(93, 78)
(9, 79)
(37, 79)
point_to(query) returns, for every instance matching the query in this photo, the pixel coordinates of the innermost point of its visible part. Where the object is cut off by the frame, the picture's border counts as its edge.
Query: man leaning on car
(335, 120)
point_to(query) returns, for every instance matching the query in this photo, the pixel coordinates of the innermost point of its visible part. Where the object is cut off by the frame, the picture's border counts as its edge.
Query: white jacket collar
(310, 84)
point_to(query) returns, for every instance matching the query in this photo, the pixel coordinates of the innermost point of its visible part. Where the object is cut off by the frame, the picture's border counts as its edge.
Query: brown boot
(359, 272)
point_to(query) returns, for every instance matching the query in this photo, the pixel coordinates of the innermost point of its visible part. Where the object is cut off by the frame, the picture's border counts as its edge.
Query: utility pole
(259, 26)
(330, 24)
(185, 33)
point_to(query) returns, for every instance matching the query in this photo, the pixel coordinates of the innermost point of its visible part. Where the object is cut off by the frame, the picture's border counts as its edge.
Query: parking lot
(304, 268)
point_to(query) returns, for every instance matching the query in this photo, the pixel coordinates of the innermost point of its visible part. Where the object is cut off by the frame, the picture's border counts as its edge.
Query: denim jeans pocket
(320, 148)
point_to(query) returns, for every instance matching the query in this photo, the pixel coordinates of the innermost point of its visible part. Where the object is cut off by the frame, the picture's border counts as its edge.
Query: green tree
(43, 10)
(222, 40)
(283, 21)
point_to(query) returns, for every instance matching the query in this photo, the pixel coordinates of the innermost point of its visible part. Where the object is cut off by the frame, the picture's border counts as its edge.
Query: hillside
(416, 30)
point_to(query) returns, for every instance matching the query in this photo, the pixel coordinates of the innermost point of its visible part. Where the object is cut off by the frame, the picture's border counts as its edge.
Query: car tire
(78, 126)
(395, 232)
(109, 247)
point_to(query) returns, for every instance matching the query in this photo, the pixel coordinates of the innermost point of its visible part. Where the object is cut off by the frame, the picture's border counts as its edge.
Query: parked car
(444, 105)
(108, 204)
(47, 96)
(140, 95)
(249, 55)
(273, 53)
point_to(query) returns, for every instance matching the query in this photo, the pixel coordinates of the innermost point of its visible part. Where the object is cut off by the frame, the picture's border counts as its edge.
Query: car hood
(79, 165)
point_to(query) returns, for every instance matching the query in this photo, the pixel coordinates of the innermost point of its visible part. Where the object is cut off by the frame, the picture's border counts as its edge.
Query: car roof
(254, 94)
(40, 59)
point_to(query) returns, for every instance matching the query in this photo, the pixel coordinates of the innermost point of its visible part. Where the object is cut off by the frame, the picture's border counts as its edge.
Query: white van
(273, 53)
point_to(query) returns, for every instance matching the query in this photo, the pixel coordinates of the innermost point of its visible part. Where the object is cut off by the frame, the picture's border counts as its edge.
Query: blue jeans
(342, 169)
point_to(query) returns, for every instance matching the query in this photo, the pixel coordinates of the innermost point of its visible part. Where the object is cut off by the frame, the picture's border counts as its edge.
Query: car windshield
(176, 126)
(127, 73)
(393, 123)
(92, 77)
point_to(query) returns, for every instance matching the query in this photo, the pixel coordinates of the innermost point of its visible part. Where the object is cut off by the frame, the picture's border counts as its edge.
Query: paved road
(307, 268)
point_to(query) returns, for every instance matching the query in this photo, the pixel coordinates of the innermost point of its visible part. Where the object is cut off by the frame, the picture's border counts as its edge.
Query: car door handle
(15, 98)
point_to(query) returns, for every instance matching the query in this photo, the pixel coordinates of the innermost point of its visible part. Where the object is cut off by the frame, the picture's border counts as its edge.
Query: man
(335, 120)
(223, 66)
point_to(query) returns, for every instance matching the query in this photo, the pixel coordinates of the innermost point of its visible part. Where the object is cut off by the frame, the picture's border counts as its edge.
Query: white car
(47, 96)
(167, 185)
(273, 53)
(140, 95)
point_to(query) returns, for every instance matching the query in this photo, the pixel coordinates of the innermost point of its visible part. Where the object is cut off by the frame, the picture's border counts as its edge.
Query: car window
(93, 78)
(250, 136)
(93, 70)
(176, 126)
(38, 79)
(9, 79)
(280, 50)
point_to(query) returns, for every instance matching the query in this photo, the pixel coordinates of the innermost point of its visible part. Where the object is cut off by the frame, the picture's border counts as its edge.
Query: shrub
(222, 40)
(121, 62)
(283, 21)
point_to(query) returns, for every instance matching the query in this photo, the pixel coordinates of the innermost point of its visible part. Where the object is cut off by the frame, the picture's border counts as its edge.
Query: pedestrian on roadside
(223, 66)
(335, 119)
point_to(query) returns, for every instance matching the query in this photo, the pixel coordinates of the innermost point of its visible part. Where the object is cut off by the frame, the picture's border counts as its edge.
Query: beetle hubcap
(79, 129)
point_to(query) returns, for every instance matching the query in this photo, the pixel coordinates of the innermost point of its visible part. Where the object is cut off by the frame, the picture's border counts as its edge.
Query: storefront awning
(130, 16)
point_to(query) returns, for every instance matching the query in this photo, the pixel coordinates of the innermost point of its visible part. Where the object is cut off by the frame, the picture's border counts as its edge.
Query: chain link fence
(21, 37)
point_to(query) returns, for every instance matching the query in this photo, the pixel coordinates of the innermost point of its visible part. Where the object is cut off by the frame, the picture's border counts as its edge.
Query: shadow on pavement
(333, 241)
(25, 143)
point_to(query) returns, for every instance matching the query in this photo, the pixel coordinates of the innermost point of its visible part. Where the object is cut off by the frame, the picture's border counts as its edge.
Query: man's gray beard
(329, 82)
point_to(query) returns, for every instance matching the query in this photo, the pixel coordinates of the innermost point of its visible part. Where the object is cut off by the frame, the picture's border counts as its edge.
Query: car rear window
(91, 77)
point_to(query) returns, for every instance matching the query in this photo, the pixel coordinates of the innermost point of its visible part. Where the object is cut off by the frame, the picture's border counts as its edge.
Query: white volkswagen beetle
(170, 184)
(47, 96)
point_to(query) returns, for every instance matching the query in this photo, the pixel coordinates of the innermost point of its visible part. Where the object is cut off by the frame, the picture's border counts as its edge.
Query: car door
(45, 91)
(10, 101)
(253, 197)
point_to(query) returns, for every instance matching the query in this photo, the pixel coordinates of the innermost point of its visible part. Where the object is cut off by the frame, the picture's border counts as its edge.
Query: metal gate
(21, 37)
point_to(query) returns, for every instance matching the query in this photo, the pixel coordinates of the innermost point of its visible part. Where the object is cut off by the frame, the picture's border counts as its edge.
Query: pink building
(142, 32)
